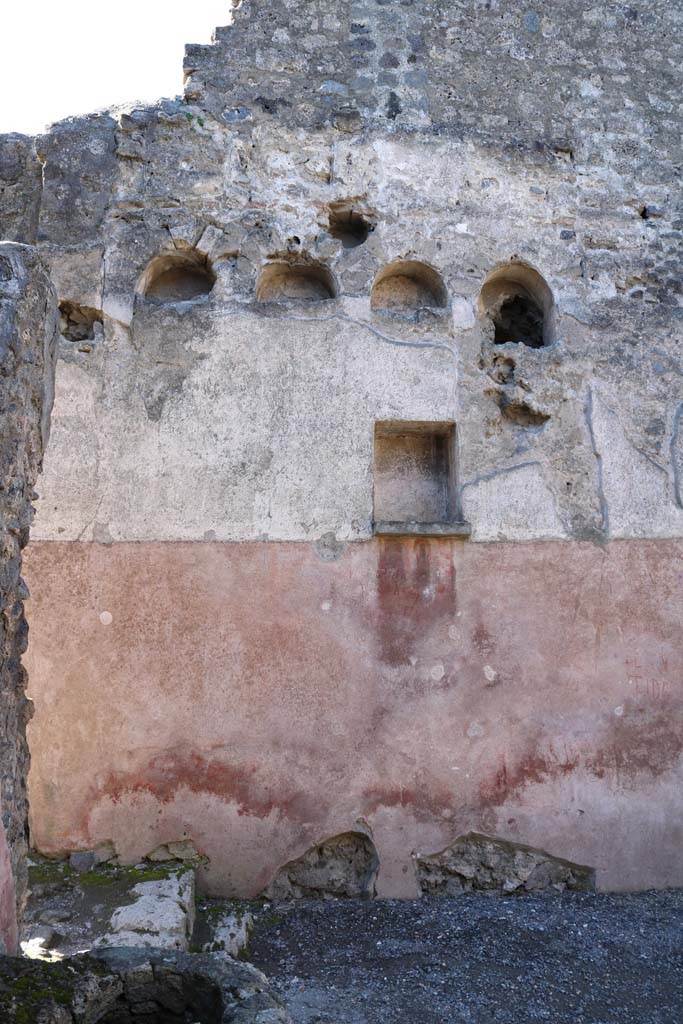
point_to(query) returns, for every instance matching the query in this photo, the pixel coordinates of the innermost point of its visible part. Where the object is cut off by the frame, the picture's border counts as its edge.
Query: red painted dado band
(258, 698)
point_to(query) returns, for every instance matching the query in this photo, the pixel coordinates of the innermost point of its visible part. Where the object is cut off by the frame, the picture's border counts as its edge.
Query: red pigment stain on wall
(424, 803)
(166, 774)
(636, 743)
(415, 590)
(255, 696)
(8, 913)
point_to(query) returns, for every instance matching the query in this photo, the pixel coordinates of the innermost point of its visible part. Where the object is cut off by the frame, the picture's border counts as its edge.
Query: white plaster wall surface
(637, 489)
(269, 435)
(228, 420)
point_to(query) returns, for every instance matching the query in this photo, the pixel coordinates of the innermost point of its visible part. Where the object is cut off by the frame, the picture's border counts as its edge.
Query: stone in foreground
(162, 916)
(231, 933)
(123, 986)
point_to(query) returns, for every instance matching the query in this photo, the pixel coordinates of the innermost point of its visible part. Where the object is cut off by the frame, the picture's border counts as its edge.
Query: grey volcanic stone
(125, 985)
(343, 866)
(477, 862)
(83, 860)
(480, 958)
(80, 167)
(20, 188)
(28, 351)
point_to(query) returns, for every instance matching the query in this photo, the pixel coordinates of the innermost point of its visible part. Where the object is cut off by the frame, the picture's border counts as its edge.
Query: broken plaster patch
(639, 492)
(511, 504)
(478, 862)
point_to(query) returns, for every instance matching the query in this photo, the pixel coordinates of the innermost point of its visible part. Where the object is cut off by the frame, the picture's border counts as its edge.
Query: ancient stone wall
(28, 349)
(374, 330)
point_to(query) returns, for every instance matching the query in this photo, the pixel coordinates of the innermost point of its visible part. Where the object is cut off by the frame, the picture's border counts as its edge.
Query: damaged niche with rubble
(356, 564)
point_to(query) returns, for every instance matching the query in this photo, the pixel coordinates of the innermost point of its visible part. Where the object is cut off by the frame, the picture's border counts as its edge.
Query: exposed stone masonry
(340, 867)
(577, 213)
(450, 167)
(483, 863)
(126, 986)
(28, 351)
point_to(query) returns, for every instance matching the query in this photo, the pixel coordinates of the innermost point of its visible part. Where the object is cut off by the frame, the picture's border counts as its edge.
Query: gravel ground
(579, 958)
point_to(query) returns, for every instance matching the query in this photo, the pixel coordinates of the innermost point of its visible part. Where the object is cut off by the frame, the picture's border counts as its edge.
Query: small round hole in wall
(77, 323)
(349, 224)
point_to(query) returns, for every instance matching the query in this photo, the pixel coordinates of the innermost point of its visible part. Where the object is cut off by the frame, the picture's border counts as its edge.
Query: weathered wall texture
(210, 479)
(28, 352)
(260, 697)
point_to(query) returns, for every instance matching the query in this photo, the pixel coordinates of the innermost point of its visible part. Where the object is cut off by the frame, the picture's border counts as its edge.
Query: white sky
(62, 57)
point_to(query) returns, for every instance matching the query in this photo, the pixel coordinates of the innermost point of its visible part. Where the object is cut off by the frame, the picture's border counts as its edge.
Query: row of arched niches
(514, 298)
(515, 303)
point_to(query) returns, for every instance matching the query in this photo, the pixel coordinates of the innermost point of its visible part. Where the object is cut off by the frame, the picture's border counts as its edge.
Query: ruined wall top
(495, 70)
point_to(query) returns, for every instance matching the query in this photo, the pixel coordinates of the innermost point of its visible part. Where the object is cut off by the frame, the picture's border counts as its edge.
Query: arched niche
(285, 281)
(517, 305)
(181, 275)
(405, 286)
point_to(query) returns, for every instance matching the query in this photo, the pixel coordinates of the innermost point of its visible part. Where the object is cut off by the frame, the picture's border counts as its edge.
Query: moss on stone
(105, 875)
(38, 985)
(48, 872)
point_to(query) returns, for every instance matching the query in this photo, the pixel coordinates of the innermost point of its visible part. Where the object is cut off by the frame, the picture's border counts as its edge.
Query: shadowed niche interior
(77, 323)
(405, 286)
(181, 999)
(349, 224)
(183, 275)
(517, 306)
(414, 472)
(284, 280)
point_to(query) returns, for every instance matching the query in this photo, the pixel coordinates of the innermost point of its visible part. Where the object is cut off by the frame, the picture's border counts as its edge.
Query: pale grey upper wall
(228, 420)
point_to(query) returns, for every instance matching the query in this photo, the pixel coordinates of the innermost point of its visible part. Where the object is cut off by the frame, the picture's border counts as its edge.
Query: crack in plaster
(636, 448)
(604, 507)
(678, 496)
(493, 473)
(372, 330)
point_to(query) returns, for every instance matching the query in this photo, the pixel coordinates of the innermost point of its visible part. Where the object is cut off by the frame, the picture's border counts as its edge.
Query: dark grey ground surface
(475, 959)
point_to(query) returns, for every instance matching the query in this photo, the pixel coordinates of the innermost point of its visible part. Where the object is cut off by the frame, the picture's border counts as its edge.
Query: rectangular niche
(415, 479)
